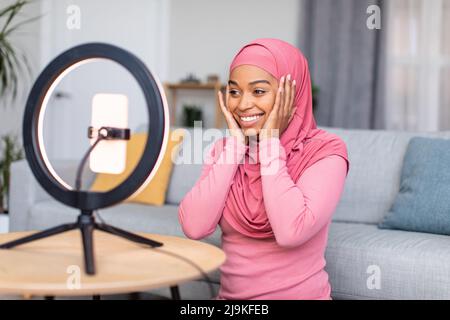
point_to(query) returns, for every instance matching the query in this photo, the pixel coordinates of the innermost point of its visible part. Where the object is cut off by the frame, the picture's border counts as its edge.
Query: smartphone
(110, 110)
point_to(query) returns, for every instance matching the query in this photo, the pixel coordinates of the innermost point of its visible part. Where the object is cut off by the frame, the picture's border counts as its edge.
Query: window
(418, 65)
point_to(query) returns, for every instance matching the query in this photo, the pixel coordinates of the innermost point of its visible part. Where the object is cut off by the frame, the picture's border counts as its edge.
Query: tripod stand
(86, 220)
(87, 224)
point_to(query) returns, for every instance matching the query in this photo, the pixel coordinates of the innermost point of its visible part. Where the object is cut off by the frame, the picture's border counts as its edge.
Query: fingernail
(282, 79)
(289, 77)
(294, 82)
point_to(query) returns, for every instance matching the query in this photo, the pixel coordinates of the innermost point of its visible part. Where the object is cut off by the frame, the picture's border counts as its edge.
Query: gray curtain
(346, 60)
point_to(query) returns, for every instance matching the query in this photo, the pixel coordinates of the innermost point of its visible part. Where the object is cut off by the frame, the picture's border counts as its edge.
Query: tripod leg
(88, 246)
(175, 293)
(40, 235)
(127, 235)
(134, 296)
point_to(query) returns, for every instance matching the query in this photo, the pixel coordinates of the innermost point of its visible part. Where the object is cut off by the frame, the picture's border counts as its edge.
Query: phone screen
(110, 110)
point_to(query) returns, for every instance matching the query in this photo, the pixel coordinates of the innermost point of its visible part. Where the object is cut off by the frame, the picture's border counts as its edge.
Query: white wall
(206, 34)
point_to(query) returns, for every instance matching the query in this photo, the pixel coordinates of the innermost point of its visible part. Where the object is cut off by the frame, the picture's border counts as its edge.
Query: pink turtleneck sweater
(290, 265)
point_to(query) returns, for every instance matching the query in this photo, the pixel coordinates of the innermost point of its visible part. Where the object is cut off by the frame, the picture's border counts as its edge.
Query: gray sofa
(363, 262)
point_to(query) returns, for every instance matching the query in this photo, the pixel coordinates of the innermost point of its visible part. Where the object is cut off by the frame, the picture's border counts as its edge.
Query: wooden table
(54, 266)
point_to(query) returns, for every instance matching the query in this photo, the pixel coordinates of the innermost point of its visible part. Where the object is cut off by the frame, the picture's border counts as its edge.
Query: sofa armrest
(25, 190)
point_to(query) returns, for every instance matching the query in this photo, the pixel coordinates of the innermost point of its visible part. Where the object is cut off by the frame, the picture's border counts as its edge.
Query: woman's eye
(235, 92)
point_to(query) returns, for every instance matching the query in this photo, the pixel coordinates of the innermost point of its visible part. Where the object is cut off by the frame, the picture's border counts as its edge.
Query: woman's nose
(246, 102)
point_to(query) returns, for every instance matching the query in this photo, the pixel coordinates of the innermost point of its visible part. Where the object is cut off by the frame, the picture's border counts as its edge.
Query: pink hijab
(303, 142)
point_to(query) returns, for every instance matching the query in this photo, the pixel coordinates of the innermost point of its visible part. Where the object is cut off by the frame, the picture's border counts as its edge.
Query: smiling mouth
(251, 120)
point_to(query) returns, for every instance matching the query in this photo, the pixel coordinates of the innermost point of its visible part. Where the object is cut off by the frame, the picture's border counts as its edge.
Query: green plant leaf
(13, 6)
(10, 70)
(11, 151)
(13, 10)
(17, 26)
(12, 62)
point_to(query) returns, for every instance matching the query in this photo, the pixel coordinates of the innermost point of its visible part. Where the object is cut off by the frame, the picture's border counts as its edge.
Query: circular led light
(158, 126)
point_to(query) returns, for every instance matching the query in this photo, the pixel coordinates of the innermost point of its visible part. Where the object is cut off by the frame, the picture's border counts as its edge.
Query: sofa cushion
(376, 159)
(423, 202)
(189, 163)
(410, 265)
(155, 191)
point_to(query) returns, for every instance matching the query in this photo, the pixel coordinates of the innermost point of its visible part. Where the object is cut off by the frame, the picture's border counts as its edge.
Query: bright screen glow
(110, 110)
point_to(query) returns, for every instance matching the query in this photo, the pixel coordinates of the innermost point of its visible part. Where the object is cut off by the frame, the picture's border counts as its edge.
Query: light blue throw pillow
(423, 201)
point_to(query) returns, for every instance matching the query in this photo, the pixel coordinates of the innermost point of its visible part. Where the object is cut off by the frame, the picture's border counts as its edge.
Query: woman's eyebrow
(250, 83)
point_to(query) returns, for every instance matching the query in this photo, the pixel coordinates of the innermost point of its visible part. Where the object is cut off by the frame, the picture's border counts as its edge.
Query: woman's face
(252, 93)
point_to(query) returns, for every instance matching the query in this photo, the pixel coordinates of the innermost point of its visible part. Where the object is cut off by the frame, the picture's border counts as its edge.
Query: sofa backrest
(376, 158)
(187, 169)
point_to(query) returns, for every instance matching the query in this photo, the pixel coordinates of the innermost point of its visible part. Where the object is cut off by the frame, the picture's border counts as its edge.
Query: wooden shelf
(171, 91)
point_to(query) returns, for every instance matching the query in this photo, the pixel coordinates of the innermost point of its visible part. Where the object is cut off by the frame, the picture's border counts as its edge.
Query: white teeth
(250, 118)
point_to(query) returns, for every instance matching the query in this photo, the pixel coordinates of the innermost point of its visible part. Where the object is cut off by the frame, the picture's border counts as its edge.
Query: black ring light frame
(87, 201)
(33, 126)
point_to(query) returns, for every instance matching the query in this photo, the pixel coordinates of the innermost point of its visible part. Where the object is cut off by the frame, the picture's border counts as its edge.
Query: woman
(274, 206)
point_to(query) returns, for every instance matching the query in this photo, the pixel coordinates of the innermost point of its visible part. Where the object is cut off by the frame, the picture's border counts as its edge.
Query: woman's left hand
(283, 110)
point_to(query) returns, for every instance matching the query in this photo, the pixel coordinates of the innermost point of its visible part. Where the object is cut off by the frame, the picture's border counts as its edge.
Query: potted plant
(10, 151)
(192, 113)
(12, 64)
(12, 61)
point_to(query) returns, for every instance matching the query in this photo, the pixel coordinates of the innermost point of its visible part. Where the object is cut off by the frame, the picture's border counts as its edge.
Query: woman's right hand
(233, 126)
